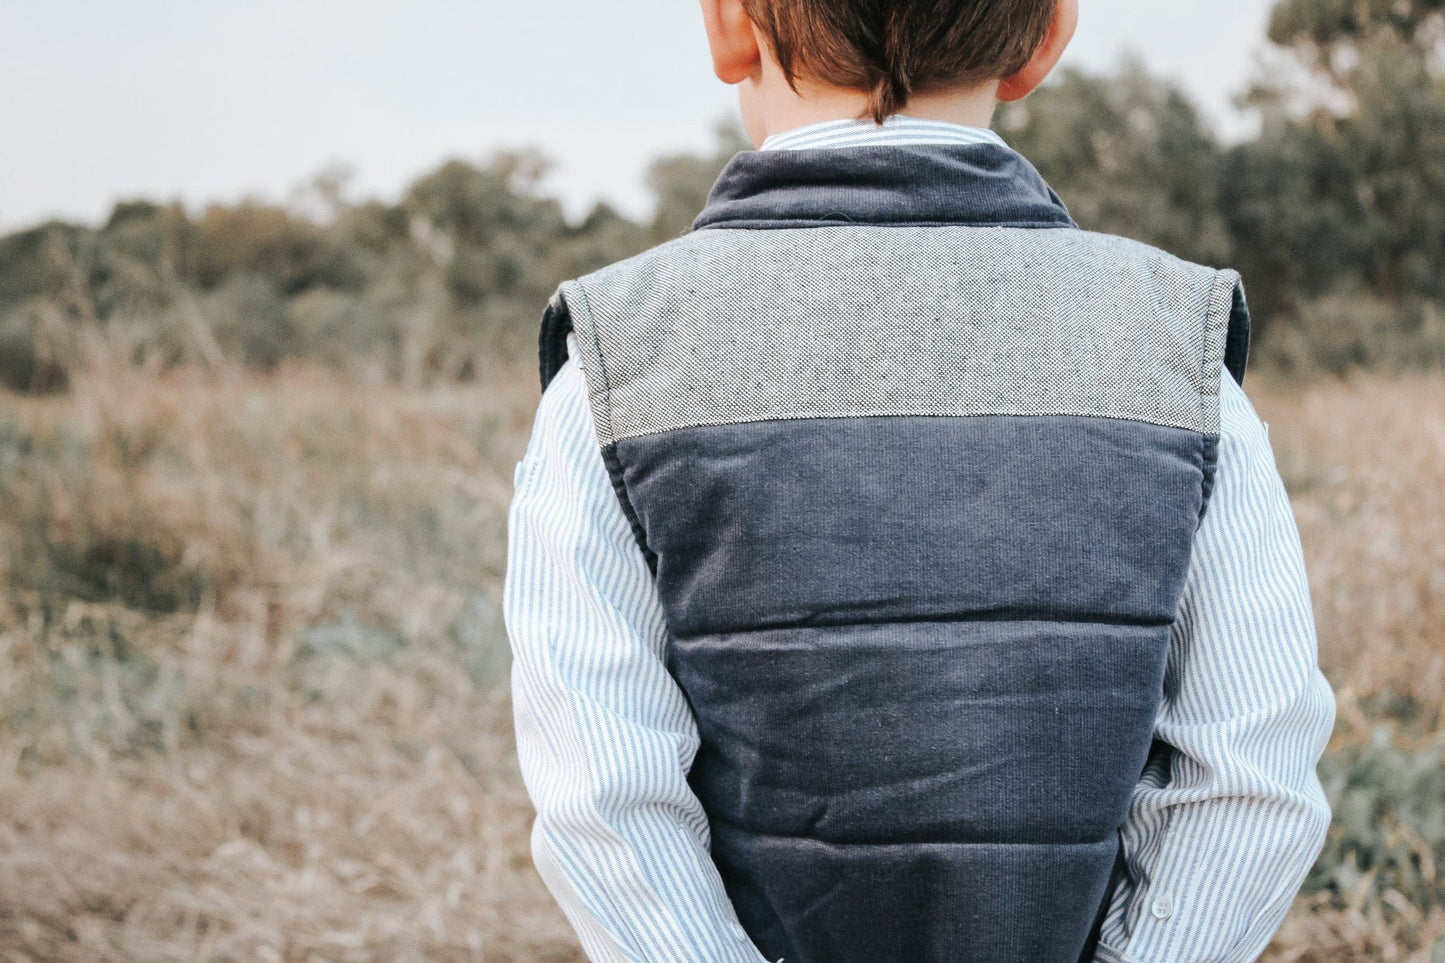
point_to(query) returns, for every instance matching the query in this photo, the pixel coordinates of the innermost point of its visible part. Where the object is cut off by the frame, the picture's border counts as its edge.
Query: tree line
(1334, 212)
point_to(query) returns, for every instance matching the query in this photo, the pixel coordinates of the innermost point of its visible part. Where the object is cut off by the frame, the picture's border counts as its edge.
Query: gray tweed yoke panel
(1030, 322)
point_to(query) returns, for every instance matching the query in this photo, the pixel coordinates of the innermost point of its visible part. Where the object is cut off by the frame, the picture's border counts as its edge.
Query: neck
(771, 107)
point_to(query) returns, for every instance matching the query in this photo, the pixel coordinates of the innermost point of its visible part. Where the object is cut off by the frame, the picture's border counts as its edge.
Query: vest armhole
(552, 339)
(1236, 341)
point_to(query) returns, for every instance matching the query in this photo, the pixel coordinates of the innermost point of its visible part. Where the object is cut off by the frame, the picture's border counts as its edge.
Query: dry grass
(1364, 461)
(252, 667)
(253, 691)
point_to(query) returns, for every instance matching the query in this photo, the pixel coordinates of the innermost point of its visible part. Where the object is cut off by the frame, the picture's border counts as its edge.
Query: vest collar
(928, 184)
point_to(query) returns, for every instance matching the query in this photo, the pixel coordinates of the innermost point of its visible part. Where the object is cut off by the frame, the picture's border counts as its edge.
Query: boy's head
(798, 60)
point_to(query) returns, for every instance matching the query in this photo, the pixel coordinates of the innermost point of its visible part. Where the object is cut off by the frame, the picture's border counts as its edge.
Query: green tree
(680, 183)
(1129, 154)
(1338, 206)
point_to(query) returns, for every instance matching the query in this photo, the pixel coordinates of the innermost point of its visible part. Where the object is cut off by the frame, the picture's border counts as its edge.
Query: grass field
(252, 669)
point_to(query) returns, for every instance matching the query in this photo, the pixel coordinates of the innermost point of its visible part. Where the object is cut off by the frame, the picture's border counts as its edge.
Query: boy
(898, 572)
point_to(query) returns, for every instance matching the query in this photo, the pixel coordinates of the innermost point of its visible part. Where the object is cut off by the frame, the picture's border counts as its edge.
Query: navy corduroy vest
(917, 465)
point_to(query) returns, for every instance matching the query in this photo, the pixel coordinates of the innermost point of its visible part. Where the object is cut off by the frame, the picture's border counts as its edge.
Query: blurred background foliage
(1334, 212)
(443, 283)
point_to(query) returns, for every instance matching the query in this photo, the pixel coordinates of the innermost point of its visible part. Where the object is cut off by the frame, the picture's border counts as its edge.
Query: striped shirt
(1219, 835)
(896, 130)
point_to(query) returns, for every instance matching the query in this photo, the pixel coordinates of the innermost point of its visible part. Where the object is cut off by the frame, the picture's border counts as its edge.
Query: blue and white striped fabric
(1217, 841)
(896, 130)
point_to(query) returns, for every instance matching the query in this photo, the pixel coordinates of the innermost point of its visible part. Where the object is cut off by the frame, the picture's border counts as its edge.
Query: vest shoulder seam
(1111, 837)
(832, 416)
(979, 617)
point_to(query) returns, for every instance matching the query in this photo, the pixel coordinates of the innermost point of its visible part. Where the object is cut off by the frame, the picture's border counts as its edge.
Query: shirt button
(1161, 907)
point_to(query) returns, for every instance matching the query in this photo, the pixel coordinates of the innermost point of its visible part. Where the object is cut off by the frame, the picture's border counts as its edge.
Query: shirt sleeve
(605, 737)
(1223, 827)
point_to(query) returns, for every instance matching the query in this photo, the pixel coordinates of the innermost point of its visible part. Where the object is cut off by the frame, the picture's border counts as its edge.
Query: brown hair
(894, 49)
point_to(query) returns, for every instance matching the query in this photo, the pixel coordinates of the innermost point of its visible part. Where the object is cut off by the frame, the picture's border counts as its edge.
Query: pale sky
(213, 99)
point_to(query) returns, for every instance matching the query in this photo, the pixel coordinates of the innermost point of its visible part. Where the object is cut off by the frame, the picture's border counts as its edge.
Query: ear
(730, 36)
(1061, 31)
